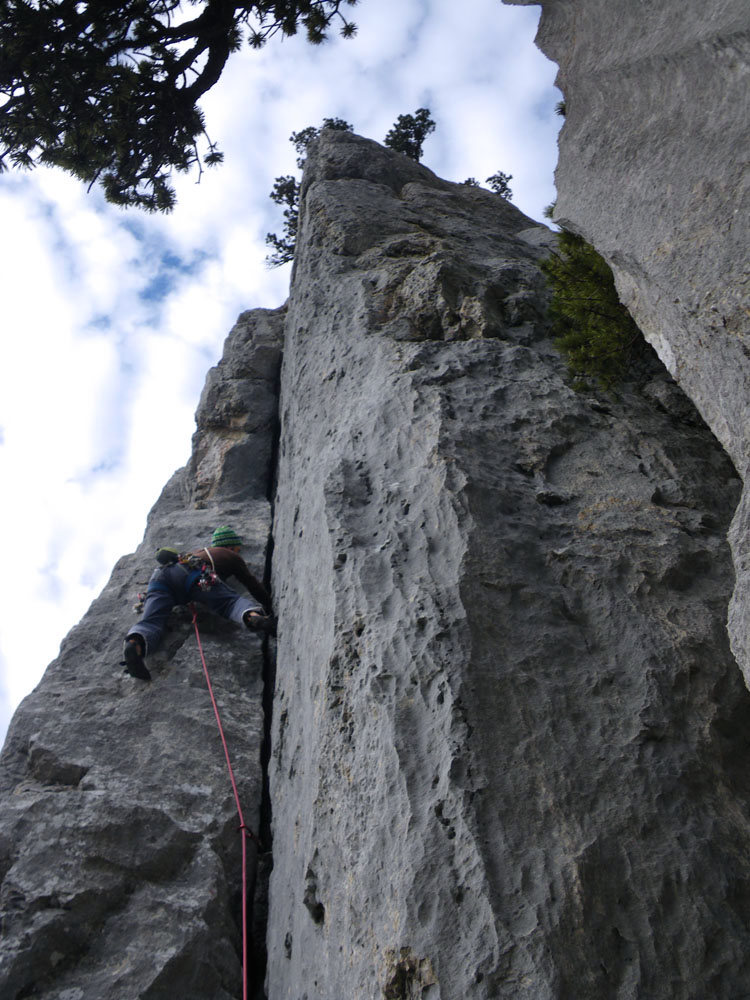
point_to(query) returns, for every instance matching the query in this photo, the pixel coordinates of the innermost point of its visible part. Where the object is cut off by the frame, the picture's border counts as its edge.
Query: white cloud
(111, 318)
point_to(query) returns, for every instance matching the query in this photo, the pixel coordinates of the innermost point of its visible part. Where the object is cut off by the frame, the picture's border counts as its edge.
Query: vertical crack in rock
(265, 819)
(119, 846)
(510, 749)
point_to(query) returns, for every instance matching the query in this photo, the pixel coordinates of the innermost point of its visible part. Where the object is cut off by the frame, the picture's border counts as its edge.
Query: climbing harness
(208, 577)
(244, 830)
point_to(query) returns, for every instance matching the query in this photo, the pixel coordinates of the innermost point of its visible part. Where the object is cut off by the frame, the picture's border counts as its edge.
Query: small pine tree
(406, 136)
(595, 332)
(409, 132)
(499, 184)
(301, 140)
(286, 192)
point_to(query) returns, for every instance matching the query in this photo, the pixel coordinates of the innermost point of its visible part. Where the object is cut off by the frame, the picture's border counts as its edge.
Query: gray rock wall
(119, 851)
(654, 171)
(509, 742)
(510, 749)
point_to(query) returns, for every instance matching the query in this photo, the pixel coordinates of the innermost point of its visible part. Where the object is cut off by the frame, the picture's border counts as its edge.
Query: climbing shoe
(260, 623)
(134, 663)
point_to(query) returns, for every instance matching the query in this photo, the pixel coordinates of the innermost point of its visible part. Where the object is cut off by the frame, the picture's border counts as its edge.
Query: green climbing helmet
(226, 537)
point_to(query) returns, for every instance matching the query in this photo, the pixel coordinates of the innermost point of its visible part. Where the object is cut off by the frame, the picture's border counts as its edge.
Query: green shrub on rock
(595, 332)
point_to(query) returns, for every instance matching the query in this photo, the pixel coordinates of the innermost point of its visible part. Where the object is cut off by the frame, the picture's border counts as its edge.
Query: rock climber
(225, 560)
(198, 577)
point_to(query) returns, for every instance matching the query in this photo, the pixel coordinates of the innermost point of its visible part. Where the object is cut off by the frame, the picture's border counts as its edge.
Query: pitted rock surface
(510, 747)
(654, 171)
(119, 851)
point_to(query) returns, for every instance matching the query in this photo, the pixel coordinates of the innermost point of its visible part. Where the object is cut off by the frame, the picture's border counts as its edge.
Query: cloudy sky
(111, 318)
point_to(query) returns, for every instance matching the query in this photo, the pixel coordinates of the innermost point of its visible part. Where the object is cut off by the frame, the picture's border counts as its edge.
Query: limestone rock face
(509, 754)
(510, 748)
(119, 850)
(654, 171)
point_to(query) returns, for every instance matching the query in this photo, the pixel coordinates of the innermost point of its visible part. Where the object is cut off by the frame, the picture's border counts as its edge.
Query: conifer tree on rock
(498, 184)
(595, 332)
(409, 133)
(286, 191)
(406, 136)
(302, 139)
(109, 91)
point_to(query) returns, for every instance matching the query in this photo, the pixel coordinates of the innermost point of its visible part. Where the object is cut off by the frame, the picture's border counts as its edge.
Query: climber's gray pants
(173, 585)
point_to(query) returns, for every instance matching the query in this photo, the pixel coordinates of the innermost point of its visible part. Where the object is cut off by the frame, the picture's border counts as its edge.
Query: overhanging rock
(654, 171)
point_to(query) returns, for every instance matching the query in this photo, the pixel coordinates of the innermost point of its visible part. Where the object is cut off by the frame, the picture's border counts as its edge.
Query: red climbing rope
(244, 830)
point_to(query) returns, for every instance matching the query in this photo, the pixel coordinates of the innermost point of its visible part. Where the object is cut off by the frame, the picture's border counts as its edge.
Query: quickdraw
(209, 577)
